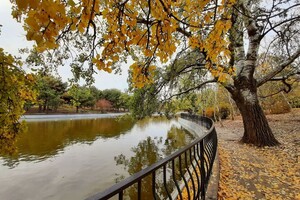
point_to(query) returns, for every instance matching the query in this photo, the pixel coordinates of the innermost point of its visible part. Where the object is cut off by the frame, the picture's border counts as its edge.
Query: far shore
(64, 116)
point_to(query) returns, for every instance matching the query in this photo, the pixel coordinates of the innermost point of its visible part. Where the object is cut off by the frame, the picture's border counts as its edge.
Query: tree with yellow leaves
(104, 33)
(16, 88)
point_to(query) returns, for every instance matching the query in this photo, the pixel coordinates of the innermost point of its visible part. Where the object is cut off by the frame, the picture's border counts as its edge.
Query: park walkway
(248, 172)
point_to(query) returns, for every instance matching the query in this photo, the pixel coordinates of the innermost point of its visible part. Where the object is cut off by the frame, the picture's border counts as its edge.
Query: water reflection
(148, 121)
(149, 151)
(76, 159)
(45, 139)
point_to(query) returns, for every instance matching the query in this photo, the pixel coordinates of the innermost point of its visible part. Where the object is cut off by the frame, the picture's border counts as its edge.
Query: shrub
(280, 107)
(295, 102)
(209, 112)
(224, 110)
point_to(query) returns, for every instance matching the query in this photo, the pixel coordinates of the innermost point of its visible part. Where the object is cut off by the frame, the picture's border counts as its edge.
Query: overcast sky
(13, 37)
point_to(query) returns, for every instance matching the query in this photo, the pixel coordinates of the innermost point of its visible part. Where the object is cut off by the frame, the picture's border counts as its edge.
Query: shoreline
(63, 116)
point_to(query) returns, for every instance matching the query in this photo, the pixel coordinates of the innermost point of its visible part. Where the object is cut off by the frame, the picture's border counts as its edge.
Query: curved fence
(184, 173)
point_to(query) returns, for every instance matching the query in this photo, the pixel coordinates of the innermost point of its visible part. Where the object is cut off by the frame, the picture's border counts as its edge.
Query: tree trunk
(77, 109)
(256, 128)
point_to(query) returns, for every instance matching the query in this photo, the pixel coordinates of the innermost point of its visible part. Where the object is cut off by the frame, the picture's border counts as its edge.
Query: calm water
(73, 159)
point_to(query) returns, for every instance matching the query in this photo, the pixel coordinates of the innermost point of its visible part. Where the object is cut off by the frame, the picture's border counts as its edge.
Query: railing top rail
(115, 189)
(210, 122)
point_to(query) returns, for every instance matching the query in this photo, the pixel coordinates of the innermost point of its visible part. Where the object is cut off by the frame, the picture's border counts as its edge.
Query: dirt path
(247, 172)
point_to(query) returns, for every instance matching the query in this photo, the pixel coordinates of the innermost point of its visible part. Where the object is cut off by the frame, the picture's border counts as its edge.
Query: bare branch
(192, 89)
(184, 32)
(278, 69)
(283, 89)
(273, 27)
(272, 94)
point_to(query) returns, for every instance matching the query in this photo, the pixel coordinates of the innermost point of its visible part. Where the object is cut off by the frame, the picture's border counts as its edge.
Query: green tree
(96, 93)
(94, 96)
(124, 101)
(144, 102)
(114, 96)
(81, 96)
(50, 90)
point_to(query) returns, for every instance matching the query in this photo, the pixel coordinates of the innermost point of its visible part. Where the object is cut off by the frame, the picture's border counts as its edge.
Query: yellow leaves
(216, 46)
(16, 87)
(248, 172)
(124, 29)
(142, 75)
(43, 21)
(208, 16)
(231, 70)
(71, 3)
(81, 27)
(231, 2)
(215, 40)
(194, 42)
(101, 65)
(227, 25)
(22, 4)
(147, 52)
(222, 77)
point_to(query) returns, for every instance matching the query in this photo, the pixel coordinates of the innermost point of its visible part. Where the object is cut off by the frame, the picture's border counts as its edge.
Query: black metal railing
(185, 172)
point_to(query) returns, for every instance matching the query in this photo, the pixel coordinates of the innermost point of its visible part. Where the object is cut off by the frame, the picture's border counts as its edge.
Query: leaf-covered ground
(248, 172)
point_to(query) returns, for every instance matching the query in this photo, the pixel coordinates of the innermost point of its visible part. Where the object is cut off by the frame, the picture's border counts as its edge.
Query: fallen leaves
(248, 172)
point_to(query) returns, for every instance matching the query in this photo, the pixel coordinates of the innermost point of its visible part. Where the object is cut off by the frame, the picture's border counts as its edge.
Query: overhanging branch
(193, 88)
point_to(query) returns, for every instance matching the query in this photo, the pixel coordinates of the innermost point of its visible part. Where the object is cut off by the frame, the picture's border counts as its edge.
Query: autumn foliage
(104, 105)
(248, 172)
(16, 88)
(126, 28)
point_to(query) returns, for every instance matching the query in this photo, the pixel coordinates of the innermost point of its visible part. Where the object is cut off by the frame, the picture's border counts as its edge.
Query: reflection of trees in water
(45, 138)
(146, 153)
(149, 151)
(144, 123)
(177, 138)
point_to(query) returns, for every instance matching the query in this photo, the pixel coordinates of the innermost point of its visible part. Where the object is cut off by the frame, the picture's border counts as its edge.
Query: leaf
(71, 3)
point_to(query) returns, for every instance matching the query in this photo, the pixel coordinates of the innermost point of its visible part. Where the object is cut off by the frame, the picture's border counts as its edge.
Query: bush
(295, 102)
(209, 112)
(276, 104)
(224, 111)
(280, 107)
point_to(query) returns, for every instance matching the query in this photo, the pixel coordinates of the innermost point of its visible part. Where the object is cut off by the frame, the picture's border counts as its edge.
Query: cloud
(13, 37)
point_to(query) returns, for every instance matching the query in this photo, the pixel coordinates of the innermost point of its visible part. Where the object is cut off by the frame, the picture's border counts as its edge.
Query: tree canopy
(152, 31)
(50, 89)
(147, 30)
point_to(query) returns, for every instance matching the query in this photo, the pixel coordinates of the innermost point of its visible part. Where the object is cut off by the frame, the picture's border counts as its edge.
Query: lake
(73, 159)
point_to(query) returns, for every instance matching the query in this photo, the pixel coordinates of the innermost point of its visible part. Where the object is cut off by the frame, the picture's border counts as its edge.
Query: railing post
(153, 185)
(140, 189)
(202, 170)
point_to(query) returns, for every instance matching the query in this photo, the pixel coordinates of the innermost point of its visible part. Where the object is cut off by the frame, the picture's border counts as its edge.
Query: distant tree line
(53, 95)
